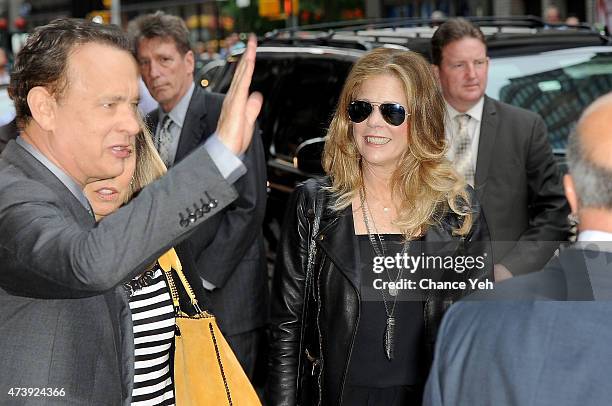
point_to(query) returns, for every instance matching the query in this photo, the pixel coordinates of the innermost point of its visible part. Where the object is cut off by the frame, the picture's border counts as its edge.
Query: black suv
(553, 70)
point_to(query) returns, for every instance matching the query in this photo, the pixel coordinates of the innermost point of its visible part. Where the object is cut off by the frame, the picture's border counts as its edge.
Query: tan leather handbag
(206, 371)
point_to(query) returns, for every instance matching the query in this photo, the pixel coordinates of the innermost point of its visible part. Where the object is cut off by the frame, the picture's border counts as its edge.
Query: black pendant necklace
(388, 338)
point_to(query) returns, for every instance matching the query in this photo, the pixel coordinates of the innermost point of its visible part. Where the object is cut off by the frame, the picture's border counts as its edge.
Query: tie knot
(166, 123)
(462, 120)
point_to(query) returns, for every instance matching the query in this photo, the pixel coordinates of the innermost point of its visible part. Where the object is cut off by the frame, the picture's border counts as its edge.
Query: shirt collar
(594, 235)
(179, 112)
(595, 240)
(70, 183)
(475, 112)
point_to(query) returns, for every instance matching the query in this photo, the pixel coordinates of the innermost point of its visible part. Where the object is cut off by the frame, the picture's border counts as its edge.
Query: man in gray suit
(229, 253)
(541, 342)
(66, 334)
(503, 152)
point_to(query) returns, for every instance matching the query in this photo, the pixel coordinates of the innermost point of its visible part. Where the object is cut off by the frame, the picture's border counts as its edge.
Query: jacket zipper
(320, 338)
(319, 362)
(348, 361)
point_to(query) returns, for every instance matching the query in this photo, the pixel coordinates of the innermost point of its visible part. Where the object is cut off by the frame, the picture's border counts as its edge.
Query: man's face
(166, 72)
(95, 119)
(107, 195)
(463, 72)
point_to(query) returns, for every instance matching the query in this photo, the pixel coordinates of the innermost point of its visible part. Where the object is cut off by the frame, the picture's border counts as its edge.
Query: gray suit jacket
(535, 340)
(64, 321)
(229, 252)
(519, 187)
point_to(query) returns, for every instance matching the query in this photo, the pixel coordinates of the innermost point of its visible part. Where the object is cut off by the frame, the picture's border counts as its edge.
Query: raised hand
(240, 110)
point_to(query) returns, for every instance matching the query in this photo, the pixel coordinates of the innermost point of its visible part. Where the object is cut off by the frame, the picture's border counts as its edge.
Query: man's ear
(570, 192)
(190, 61)
(42, 107)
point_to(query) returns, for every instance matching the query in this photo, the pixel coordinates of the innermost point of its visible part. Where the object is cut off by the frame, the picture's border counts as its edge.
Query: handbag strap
(168, 261)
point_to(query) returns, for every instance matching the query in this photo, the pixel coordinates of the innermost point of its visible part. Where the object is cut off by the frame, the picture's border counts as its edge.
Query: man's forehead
(93, 51)
(92, 61)
(463, 43)
(157, 42)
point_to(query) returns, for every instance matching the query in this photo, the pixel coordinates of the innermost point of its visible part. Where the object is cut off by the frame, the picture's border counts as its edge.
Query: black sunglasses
(392, 113)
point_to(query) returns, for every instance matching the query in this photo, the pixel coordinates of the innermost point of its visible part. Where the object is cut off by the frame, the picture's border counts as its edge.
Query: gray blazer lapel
(488, 133)
(194, 127)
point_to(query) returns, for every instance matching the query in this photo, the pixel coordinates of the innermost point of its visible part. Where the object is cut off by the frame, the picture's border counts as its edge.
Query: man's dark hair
(160, 25)
(43, 60)
(452, 30)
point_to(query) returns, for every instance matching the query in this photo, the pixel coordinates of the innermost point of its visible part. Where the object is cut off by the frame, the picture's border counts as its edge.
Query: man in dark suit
(503, 152)
(540, 339)
(229, 254)
(66, 331)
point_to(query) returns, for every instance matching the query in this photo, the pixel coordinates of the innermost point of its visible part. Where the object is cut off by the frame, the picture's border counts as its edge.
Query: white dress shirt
(451, 129)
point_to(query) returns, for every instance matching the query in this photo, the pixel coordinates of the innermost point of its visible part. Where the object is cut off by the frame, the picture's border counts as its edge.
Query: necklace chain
(372, 236)
(388, 337)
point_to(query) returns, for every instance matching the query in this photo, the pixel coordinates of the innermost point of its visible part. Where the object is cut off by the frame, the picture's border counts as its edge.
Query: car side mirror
(308, 156)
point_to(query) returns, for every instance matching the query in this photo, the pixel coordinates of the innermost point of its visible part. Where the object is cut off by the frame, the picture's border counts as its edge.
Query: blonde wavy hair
(424, 182)
(149, 165)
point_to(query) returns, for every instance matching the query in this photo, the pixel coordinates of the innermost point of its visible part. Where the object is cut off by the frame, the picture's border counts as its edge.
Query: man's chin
(160, 95)
(112, 170)
(473, 97)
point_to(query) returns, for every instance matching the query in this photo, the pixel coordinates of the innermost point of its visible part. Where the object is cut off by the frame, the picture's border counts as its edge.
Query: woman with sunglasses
(345, 327)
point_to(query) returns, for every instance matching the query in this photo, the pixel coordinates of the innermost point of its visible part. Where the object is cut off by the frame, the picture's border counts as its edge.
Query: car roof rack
(368, 33)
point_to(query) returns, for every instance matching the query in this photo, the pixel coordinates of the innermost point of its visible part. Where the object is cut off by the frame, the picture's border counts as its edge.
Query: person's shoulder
(210, 98)
(312, 186)
(17, 187)
(546, 284)
(509, 109)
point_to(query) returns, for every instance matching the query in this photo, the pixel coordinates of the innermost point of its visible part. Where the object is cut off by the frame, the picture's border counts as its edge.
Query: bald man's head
(595, 131)
(589, 155)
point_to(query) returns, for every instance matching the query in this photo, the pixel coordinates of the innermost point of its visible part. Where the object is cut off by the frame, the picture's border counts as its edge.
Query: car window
(557, 85)
(305, 102)
(210, 73)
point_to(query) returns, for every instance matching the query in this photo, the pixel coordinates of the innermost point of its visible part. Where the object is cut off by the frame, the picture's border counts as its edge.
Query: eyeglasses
(392, 113)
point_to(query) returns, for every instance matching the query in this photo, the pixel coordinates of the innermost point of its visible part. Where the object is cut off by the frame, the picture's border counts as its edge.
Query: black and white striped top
(153, 318)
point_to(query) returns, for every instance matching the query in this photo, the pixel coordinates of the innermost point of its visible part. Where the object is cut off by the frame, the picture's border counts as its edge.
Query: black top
(368, 363)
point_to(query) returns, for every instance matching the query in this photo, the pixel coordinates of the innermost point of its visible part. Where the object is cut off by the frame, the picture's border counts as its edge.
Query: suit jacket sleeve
(548, 207)
(51, 255)
(433, 394)
(218, 254)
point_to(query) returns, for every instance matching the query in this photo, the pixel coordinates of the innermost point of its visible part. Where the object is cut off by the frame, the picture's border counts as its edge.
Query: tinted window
(557, 85)
(305, 102)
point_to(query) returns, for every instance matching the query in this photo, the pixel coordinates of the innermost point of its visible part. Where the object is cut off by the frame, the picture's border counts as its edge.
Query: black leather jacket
(314, 320)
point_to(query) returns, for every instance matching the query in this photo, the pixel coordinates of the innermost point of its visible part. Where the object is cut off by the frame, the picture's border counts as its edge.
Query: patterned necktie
(164, 141)
(463, 149)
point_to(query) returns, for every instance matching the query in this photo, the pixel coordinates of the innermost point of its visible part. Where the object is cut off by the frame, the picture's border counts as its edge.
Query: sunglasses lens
(359, 110)
(393, 114)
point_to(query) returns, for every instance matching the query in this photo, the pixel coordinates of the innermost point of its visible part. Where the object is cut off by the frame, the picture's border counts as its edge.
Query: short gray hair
(160, 25)
(593, 182)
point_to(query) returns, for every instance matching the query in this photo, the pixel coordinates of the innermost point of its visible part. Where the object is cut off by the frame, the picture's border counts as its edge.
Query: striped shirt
(153, 318)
